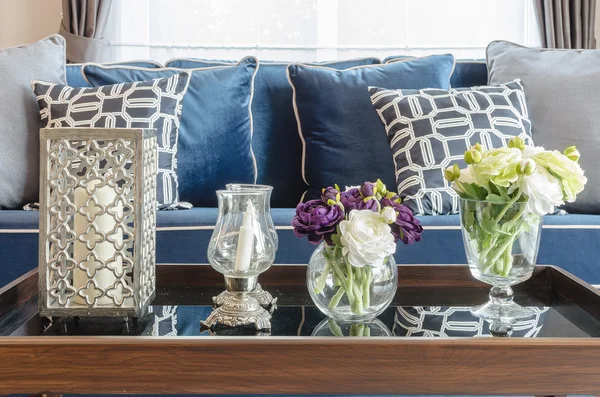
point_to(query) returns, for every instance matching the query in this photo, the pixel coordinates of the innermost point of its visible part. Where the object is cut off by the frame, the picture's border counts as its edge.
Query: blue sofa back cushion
(467, 72)
(215, 137)
(275, 141)
(75, 76)
(345, 142)
(569, 241)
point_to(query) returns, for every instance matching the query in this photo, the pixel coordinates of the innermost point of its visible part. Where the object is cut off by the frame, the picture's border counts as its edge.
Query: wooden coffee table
(557, 354)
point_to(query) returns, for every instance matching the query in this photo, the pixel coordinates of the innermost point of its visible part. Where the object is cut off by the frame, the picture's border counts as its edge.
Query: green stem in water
(507, 207)
(322, 280)
(337, 298)
(366, 294)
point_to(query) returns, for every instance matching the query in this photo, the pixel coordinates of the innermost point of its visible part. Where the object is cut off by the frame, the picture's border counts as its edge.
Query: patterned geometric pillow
(429, 130)
(149, 104)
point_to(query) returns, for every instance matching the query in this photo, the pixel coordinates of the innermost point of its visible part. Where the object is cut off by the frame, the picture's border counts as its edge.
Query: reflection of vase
(349, 293)
(330, 327)
(501, 242)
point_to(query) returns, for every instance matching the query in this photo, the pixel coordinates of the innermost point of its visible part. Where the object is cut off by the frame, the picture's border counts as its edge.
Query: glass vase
(243, 243)
(347, 293)
(501, 242)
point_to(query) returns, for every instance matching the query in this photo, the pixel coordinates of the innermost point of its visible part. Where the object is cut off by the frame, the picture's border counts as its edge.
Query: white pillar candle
(103, 251)
(245, 240)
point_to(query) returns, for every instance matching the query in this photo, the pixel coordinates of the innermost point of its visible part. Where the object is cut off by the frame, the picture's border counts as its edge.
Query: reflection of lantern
(97, 221)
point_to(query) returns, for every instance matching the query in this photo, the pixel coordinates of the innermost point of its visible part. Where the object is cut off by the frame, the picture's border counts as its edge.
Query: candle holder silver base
(239, 308)
(264, 298)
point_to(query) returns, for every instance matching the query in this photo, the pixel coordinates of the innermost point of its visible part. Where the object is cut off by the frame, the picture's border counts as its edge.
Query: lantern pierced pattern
(97, 221)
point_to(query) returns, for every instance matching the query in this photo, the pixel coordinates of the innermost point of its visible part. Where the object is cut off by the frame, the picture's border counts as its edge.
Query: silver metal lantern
(97, 221)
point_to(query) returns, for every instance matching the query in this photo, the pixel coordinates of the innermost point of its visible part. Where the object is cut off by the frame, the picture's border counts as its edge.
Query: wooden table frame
(306, 365)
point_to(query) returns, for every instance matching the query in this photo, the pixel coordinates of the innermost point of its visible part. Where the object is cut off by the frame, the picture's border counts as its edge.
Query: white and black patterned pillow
(429, 130)
(148, 104)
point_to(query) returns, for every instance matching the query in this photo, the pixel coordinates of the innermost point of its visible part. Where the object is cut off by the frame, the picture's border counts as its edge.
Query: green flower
(572, 153)
(498, 166)
(566, 170)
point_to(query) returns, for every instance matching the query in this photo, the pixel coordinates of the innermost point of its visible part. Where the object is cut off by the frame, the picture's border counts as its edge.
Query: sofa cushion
(562, 89)
(19, 116)
(429, 131)
(568, 241)
(75, 77)
(467, 72)
(149, 104)
(344, 141)
(215, 139)
(275, 140)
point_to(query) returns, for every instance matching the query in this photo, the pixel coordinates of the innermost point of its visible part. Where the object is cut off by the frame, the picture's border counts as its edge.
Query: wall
(26, 21)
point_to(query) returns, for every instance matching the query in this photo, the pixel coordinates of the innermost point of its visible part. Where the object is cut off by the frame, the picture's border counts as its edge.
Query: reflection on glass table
(563, 320)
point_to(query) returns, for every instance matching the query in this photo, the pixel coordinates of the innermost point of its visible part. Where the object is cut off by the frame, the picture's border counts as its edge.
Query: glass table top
(416, 312)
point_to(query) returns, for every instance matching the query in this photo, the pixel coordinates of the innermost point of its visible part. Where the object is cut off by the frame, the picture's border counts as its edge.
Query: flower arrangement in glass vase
(352, 274)
(504, 193)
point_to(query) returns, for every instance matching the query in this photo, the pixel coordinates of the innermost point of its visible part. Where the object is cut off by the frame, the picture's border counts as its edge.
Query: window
(316, 30)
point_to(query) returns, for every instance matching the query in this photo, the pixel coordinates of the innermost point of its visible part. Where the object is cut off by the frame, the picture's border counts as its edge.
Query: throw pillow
(75, 77)
(562, 89)
(215, 139)
(149, 104)
(275, 141)
(467, 72)
(344, 141)
(19, 119)
(429, 130)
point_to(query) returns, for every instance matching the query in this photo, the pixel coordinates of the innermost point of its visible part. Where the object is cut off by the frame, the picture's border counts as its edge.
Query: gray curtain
(83, 26)
(566, 23)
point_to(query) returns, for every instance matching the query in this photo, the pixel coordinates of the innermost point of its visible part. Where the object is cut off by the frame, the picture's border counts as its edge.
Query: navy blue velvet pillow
(467, 72)
(75, 76)
(275, 142)
(215, 136)
(344, 140)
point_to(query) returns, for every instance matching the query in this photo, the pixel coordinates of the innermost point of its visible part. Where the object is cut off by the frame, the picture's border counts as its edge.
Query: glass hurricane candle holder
(263, 297)
(242, 247)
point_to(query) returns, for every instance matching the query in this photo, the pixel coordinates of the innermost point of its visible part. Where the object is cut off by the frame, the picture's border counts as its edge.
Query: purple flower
(406, 228)
(352, 200)
(368, 189)
(330, 193)
(317, 221)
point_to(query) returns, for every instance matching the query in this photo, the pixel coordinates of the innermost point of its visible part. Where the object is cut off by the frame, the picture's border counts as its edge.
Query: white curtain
(309, 30)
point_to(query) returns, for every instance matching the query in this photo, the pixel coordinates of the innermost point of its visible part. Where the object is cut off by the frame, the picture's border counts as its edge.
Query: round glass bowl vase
(501, 243)
(347, 293)
(243, 243)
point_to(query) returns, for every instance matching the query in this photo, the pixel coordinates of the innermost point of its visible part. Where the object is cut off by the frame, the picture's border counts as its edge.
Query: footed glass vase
(501, 243)
(347, 293)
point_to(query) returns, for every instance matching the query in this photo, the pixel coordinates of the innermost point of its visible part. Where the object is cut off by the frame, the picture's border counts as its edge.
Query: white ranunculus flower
(543, 190)
(569, 171)
(532, 151)
(467, 176)
(388, 215)
(366, 239)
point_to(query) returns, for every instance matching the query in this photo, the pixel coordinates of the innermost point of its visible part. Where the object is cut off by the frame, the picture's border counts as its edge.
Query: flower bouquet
(504, 193)
(352, 274)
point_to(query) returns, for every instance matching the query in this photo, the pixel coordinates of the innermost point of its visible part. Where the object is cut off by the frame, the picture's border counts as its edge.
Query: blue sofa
(569, 241)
